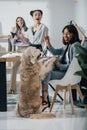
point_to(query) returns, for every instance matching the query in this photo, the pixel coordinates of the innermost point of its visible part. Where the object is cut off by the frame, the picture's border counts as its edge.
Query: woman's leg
(45, 97)
(13, 77)
(51, 76)
(44, 94)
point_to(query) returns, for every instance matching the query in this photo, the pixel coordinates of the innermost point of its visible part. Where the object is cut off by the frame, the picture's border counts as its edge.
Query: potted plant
(82, 60)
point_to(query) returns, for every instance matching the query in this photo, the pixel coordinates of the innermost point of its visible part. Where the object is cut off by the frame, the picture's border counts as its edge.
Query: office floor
(64, 119)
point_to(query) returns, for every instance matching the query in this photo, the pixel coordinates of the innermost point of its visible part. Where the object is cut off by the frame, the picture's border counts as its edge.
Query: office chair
(67, 83)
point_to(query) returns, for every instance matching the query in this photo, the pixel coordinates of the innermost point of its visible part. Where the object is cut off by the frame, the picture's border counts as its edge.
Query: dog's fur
(32, 71)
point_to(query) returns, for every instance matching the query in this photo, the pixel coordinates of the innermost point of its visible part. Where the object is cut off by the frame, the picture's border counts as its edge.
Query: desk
(10, 59)
(3, 88)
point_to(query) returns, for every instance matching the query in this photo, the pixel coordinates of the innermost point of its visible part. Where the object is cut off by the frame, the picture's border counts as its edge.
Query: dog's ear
(32, 60)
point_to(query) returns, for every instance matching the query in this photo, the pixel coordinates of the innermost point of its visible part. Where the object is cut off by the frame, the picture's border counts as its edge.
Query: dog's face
(30, 55)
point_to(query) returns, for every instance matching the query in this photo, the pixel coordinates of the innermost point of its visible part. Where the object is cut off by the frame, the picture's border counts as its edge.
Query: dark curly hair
(72, 29)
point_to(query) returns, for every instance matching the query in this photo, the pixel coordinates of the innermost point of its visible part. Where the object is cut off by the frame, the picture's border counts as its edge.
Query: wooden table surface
(10, 59)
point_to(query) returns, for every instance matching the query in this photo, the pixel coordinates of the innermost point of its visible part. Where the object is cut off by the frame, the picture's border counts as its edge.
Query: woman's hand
(47, 41)
(57, 63)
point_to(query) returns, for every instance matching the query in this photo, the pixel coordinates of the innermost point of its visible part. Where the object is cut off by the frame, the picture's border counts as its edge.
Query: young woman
(38, 31)
(19, 38)
(19, 34)
(66, 54)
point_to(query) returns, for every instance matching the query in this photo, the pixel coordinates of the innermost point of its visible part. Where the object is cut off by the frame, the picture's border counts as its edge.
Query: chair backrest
(70, 77)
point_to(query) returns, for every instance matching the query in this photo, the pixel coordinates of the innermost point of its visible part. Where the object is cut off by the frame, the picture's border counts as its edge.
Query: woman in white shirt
(38, 31)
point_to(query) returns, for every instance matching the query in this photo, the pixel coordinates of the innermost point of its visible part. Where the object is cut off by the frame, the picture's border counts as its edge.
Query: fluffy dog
(32, 71)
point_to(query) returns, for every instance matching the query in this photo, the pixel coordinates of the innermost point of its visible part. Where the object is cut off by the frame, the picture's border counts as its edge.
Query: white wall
(61, 13)
(80, 14)
(57, 13)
